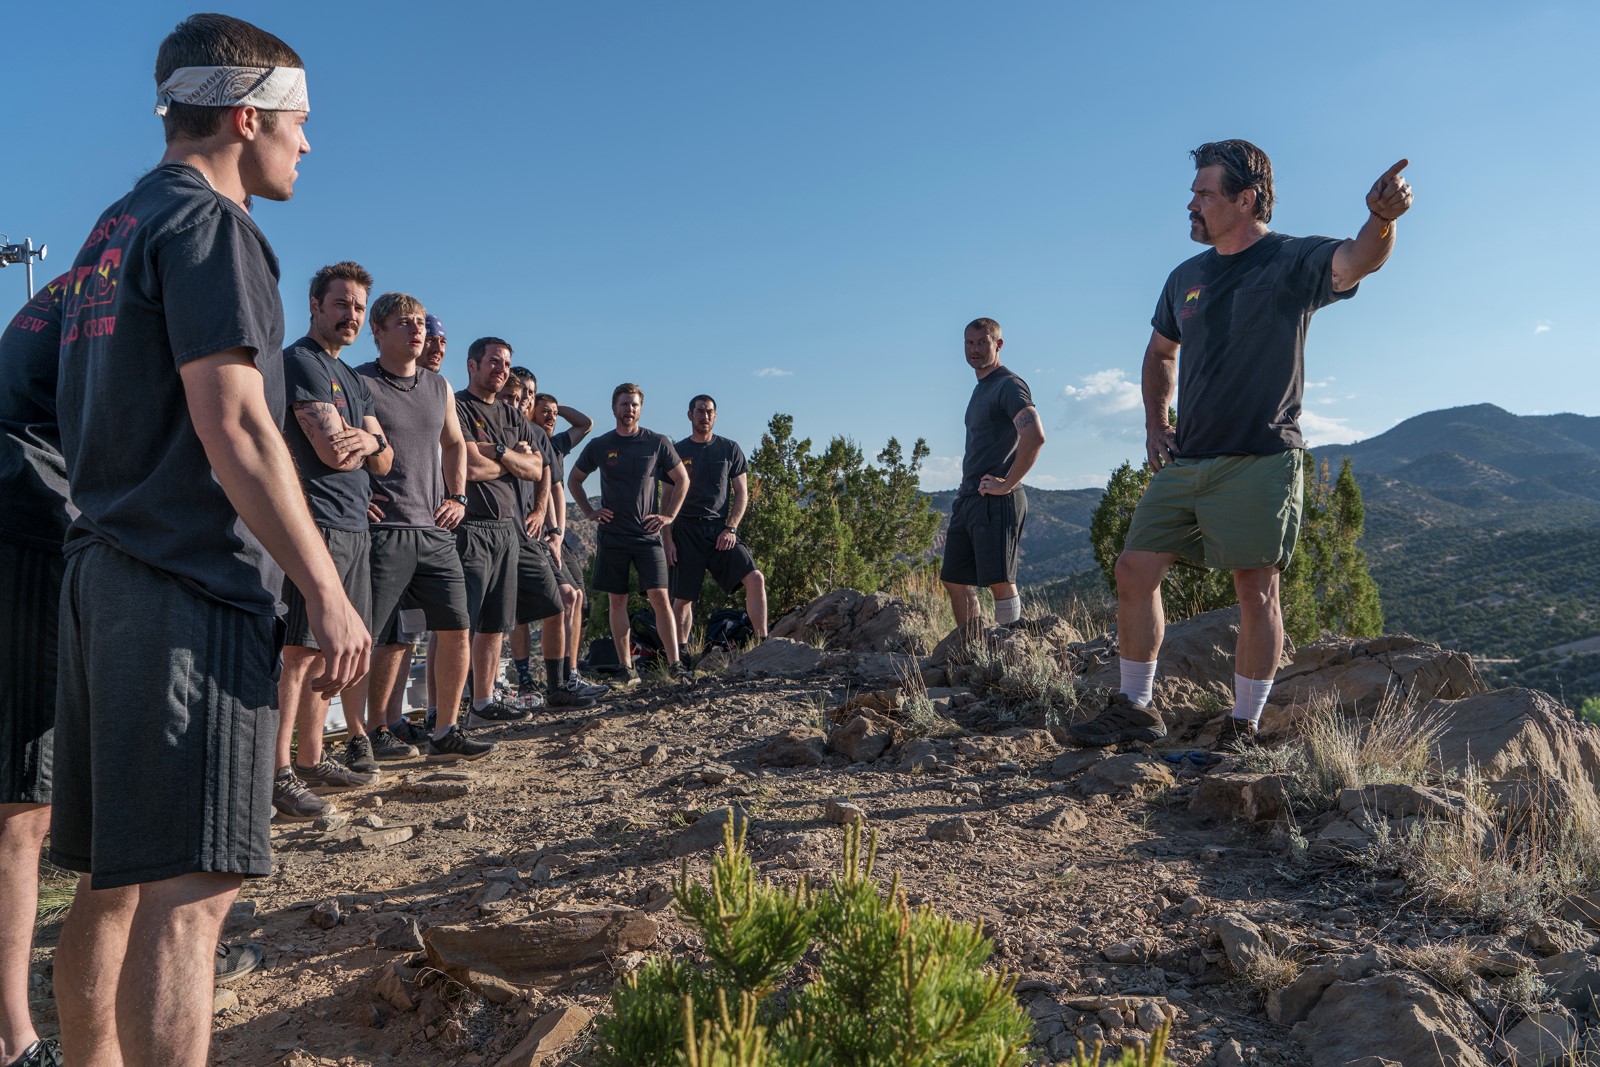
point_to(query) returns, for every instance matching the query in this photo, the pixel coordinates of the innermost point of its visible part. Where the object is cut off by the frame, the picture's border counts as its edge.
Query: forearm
(575, 488)
(1028, 447)
(558, 506)
(580, 422)
(672, 498)
(480, 468)
(1371, 247)
(1159, 381)
(524, 465)
(541, 500)
(741, 499)
(455, 467)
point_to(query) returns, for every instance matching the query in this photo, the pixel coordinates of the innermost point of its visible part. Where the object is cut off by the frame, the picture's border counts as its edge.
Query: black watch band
(459, 498)
(383, 444)
(499, 450)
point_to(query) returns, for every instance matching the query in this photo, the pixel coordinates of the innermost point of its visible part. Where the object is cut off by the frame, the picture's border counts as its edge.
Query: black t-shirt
(997, 398)
(711, 466)
(628, 469)
(33, 476)
(171, 273)
(1241, 321)
(338, 499)
(412, 412)
(561, 446)
(528, 492)
(496, 424)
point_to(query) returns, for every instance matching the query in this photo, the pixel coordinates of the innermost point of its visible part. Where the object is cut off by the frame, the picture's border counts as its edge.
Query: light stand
(23, 253)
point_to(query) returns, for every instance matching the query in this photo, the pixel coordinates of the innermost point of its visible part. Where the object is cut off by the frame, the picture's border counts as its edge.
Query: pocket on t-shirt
(1252, 309)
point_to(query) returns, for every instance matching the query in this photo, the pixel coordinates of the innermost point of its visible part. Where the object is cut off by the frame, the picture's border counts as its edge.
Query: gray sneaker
(498, 713)
(457, 744)
(585, 687)
(329, 773)
(293, 801)
(563, 697)
(386, 745)
(1123, 720)
(358, 754)
(235, 961)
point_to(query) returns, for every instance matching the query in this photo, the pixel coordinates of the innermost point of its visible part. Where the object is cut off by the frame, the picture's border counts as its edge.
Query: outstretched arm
(1158, 381)
(1388, 199)
(581, 424)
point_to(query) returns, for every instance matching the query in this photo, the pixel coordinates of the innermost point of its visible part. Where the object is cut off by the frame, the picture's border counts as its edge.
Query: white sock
(440, 731)
(1250, 696)
(1138, 680)
(479, 705)
(1007, 610)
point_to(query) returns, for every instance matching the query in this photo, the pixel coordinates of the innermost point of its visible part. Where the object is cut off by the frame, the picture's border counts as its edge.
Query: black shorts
(538, 583)
(573, 561)
(165, 727)
(488, 551)
(352, 556)
(981, 544)
(614, 555)
(416, 567)
(696, 542)
(30, 608)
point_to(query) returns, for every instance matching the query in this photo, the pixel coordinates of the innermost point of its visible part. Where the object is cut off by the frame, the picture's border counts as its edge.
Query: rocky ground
(480, 914)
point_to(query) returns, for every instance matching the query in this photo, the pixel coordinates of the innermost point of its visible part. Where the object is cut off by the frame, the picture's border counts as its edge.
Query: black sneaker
(497, 713)
(1123, 720)
(626, 678)
(527, 687)
(387, 746)
(329, 773)
(235, 961)
(293, 801)
(563, 697)
(581, 686)
(1237, 735)
(358, 754)
(457, 744)
(411, 733)
(45, 1053)
(680, 672)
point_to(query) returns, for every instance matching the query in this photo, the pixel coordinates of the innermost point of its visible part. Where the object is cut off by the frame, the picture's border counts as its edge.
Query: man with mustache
(1227, 488)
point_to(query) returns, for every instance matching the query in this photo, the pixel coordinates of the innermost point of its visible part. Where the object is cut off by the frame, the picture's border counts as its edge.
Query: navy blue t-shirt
(338, 499)
(33, 476)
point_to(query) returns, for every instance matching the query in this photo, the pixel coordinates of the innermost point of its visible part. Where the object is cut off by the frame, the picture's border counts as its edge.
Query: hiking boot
(457, 744)
(1123, 720)
(387, 745)
(563, 697)
(44, 1053)
(1237, 735)
(411, 733)
(329, 773)
(293, 801)
(498, 713)
(580, 685)
(358, 754)
(680, 673)
(235, 961)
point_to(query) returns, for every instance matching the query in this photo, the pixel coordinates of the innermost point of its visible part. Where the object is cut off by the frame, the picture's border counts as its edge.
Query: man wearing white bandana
(188, 508)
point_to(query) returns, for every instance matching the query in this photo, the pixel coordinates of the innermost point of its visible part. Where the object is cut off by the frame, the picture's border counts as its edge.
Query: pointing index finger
(1396, 169)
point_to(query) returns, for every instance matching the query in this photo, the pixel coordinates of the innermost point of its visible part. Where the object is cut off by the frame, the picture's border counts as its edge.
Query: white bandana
(268, 88)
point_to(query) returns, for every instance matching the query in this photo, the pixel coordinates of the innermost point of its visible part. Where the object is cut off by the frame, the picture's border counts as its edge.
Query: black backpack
(728, 629)
(647, 645)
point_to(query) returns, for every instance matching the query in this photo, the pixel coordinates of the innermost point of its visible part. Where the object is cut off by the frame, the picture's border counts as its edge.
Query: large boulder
(847, 620)
(1397, 1016)
(1359, 672)
(778, 656)
(1198, 649)
(1518, 735)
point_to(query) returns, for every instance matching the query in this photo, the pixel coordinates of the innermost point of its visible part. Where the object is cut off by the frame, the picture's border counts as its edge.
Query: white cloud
(774, 372)
(1322, 430)
(1322, 384)
(1542, 326)
(940, 472)
(1107, 392)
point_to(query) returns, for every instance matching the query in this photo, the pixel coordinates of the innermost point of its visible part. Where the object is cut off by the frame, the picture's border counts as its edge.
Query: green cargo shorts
(1225, 512)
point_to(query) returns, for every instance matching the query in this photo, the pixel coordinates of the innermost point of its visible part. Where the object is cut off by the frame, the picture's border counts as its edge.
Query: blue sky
(797, 207)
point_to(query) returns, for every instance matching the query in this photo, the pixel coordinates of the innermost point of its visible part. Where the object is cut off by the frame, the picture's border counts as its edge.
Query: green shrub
(884, 985)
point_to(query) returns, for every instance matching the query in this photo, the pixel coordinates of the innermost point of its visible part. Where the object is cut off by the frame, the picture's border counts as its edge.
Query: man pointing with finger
(1228, 483)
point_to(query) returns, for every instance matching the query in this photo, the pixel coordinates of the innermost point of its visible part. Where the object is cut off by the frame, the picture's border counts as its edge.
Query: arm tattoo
(314, 415)
(1025, 418)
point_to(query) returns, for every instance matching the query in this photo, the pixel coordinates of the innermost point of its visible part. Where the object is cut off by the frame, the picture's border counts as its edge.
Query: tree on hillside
(830, 520)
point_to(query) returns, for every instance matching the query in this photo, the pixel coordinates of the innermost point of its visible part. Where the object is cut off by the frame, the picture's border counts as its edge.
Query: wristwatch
(499, 450)
(383, 443)
(459, 498)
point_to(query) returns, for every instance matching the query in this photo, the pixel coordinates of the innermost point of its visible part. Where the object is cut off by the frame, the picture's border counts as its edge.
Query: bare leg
(380, 682)
(1140, 622)
(1260, 623)
(395, 710)
(88, 967)
(485, 664)
(618, 603)
(448, 656)
(755, 602)
(552, 637)
(683, 612)
(164, 992)
(521, 641)
(666, 622)
(575, 627)
(963, 603)
(1003, 590)
(22, 830)
(427, 671)
(300, 706)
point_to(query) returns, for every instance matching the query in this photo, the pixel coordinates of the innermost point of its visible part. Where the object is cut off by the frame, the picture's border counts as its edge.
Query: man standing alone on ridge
(335, 440)
(1228, 480)
(706, 533)
(1004, 437)
(630, 460)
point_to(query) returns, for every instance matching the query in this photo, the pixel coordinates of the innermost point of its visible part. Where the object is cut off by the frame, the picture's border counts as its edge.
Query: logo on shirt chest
(1191, 302)
(611, 457)
(688, 464)
(338, 395)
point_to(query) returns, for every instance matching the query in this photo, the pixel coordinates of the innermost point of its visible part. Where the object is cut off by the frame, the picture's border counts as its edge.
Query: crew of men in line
(157, 494)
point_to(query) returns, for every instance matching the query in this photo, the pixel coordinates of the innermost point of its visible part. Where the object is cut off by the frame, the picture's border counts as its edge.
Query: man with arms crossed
(414, 562)
(1228, 481)
(335, 441)
(630, 459)
(170, 405)
(706, 533)
(1004, 437)
(564, 543)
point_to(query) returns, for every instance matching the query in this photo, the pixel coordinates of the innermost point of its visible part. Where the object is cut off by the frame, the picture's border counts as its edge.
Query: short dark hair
(707, 397)
(1244, 166)
(524, 375)
(545, 398)
(477, 348)
(626, 387)
(345, 271)
(215, 41)
(988, 326)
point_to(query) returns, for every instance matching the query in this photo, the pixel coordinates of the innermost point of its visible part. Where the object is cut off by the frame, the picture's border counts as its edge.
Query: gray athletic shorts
(165, 727)
(30, 603)
(352, 555)
(538, 583)
(416, 567)
(488, 550)
(981, 545)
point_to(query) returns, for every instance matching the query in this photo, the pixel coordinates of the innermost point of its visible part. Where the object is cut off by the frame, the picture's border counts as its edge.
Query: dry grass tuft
(56, 890)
